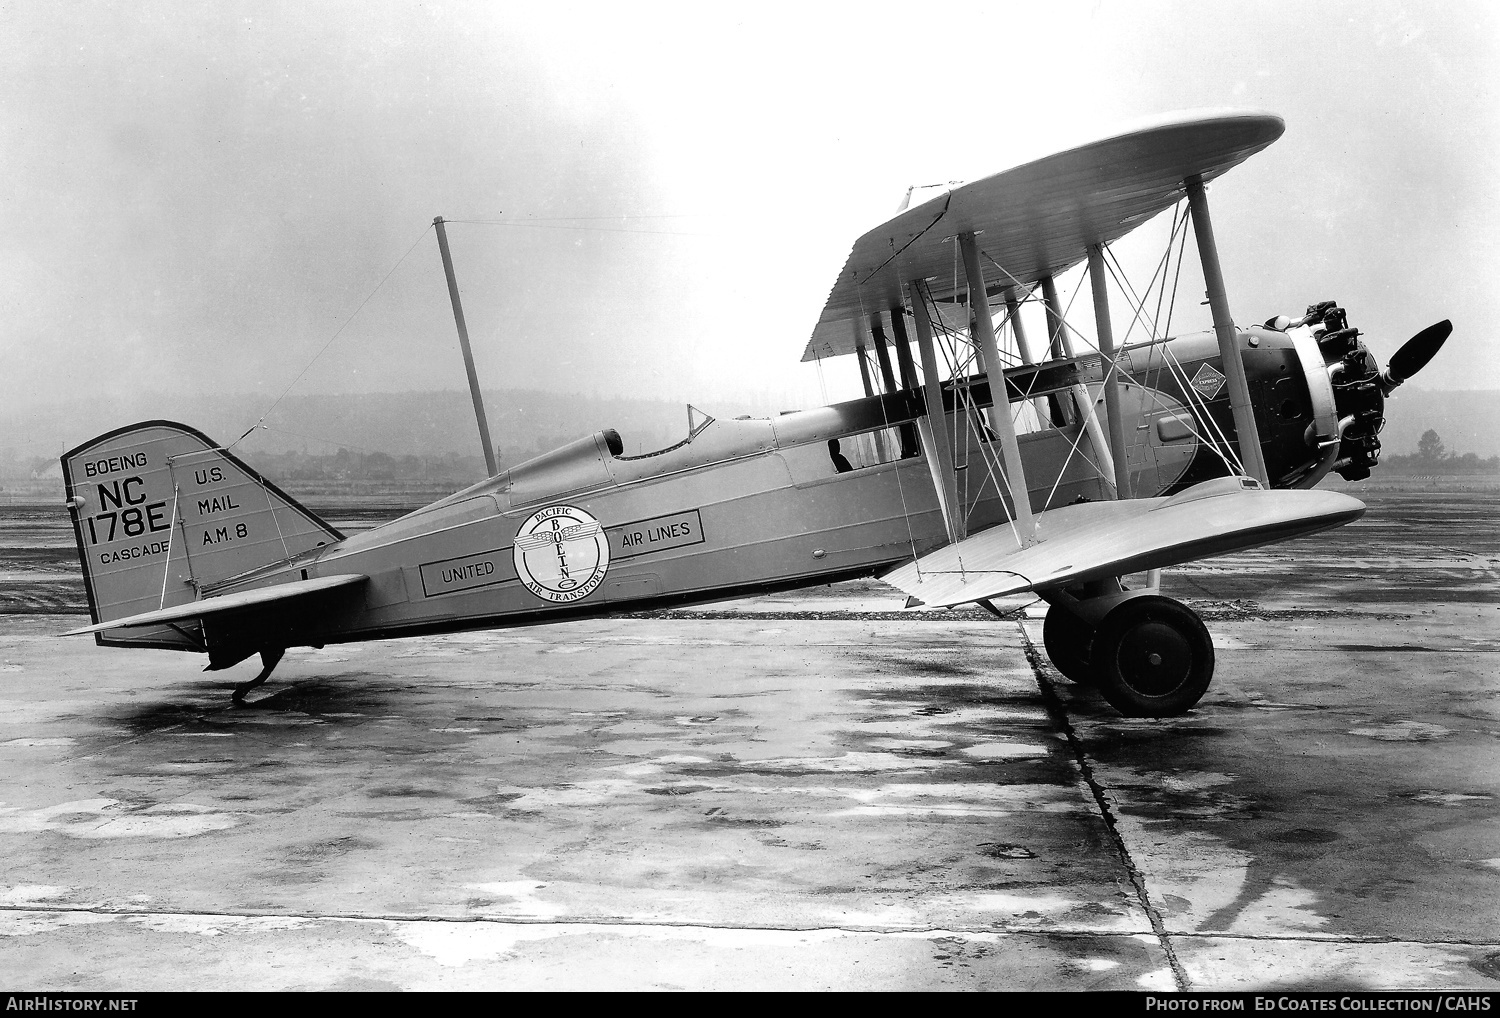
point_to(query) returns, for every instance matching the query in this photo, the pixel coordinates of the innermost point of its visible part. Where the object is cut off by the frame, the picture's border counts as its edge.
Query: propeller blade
(1417, 351)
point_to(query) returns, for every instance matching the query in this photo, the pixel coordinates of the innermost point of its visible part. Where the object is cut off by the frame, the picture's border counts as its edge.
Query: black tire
(1067, 638)
(1152, 657)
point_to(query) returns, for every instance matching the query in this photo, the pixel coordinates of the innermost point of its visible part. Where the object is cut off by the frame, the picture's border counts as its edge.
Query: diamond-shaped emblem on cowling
(1208, 381)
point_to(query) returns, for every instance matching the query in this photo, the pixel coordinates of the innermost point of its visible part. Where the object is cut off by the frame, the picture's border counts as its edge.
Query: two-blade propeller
(1414, 355)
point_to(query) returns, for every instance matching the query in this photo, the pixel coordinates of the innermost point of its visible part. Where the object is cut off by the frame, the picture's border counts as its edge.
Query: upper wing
(1083, 542)
(226, 602)
(1037, 219)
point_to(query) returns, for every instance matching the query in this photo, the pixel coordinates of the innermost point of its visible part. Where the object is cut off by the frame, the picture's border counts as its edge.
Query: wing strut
(864, 366)
(863, 356)
(1013, 312)
(933, 427)
(1062, 346)
(888, 376)
(903, 348)
(1098, 283)
(994, 372)
(1013, 315)
(1229, 348)
(882, 355)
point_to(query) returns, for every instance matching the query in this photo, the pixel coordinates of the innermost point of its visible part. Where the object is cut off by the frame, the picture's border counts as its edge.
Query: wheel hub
(1155, 658)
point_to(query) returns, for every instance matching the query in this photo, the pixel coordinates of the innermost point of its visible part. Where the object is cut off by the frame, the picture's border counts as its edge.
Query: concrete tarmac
(801, 792)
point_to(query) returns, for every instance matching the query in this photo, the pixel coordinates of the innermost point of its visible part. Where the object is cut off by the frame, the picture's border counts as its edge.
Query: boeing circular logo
(561, 554)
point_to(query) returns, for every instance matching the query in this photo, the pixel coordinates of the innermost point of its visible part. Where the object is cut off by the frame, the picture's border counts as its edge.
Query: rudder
(163, 515)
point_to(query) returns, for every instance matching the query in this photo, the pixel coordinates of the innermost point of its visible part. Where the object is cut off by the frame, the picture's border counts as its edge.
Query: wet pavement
(808, 791)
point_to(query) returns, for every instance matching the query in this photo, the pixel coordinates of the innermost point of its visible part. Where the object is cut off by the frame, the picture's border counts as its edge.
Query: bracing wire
(337, 333)
(562, 223)
(968, 409)
(1195, 402)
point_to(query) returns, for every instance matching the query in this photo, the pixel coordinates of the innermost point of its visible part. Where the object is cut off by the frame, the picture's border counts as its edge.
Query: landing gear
(1148, 655)
(269, 659)
(1151, 657)
(1067, 639)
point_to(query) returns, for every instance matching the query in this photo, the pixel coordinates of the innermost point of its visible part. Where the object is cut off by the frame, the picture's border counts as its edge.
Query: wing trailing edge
(259, 596)
(1092, 540)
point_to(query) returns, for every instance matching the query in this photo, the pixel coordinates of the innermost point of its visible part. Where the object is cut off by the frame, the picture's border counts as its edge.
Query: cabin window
(869, 448)
(1033, 415)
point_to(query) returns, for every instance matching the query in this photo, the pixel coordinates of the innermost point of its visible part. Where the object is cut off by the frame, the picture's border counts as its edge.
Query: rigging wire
(1177, 277)
(1161, 294)
(338, 332)
(1225, 454)
(967, 408)
(1138, 302)
(577, 219)
(560, 225)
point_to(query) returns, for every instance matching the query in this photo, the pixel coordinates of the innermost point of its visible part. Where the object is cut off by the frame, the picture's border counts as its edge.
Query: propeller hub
(1360, 388)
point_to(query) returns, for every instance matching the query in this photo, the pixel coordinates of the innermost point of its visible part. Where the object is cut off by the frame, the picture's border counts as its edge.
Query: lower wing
(1092, 540)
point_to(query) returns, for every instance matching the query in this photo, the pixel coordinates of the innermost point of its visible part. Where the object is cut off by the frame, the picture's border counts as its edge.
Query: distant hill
(522, 423)
(526, 422)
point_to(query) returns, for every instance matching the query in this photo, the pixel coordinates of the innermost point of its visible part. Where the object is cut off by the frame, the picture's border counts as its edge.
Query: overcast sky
(198, 197)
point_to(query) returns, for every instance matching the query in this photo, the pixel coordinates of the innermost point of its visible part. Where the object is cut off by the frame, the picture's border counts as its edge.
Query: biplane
(1057, 467)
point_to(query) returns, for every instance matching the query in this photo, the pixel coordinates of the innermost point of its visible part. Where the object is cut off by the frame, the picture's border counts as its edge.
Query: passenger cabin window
(868, 449)
(1027, 418)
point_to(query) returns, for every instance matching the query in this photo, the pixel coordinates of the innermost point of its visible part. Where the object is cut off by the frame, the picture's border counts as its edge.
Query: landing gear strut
(269, 659)
(1149, 656)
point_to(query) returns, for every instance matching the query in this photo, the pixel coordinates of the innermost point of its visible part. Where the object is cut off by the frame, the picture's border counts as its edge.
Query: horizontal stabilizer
(281, 592)
(1092, 540)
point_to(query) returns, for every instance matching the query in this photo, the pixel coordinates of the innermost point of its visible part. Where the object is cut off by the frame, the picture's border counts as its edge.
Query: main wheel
(1067, 638)
(1152, 657)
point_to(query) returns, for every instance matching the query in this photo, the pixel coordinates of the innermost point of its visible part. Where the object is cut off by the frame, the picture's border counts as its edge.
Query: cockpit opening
(697, 421)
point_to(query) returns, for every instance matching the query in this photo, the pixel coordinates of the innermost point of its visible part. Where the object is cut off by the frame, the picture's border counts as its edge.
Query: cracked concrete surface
(788, 793)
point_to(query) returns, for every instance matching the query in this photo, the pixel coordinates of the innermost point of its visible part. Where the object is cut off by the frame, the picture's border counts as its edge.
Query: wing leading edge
(1078, 543)
(1037, 219)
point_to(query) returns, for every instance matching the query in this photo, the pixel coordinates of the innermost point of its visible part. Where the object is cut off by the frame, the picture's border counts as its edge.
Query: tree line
(1433, 457)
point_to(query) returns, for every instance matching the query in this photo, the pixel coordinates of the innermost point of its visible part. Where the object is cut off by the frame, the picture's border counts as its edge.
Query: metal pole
(939, 455)
(463, 341)
(994, 373)
(1098, 283)
(1229, 348)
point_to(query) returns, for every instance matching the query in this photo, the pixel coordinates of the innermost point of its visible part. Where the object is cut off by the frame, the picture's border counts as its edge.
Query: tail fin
(163, 514)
